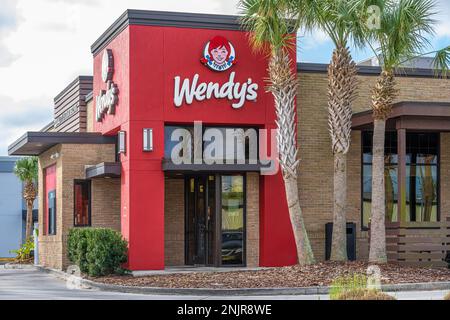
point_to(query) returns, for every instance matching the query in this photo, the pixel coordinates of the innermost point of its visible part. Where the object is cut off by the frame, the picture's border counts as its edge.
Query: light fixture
(54, 156)
(148, 139)
(122, 142)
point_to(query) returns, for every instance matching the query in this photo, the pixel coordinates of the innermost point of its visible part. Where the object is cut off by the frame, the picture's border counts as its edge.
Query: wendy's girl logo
(219, 54)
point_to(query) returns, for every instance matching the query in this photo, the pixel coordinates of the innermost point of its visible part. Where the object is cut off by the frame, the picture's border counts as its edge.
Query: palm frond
(441, 62)
(26, 169)
(270, 23)
(406, 26)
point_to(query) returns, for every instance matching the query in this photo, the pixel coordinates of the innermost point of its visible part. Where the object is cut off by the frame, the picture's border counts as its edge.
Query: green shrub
(355, 288)
(97, 251)
(24, 254)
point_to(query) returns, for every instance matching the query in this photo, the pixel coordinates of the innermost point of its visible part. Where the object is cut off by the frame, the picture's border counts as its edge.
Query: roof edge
(368, 70)
(165, 19)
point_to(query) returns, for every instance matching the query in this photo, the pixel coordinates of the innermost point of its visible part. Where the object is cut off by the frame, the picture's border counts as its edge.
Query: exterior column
(401, 175)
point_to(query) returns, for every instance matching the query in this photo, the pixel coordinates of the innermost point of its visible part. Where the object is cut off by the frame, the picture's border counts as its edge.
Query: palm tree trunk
(304, 250)
(339, 240)
(342, 85)
(283, 86)
(382, 99)
(29, 223)
(377, 252)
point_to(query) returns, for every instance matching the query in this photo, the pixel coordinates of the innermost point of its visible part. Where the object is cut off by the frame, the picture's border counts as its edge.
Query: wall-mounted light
(122, 147)
(148, 140)
(54, 156)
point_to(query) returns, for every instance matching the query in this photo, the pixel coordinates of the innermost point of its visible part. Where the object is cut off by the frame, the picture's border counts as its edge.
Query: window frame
(89, 186)
(438, 173)
(52, 217)
(364, 163)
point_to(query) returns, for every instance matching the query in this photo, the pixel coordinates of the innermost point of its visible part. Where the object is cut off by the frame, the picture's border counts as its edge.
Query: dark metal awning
(103, 170)
(35, 143)
(410, 115)
(169, 166)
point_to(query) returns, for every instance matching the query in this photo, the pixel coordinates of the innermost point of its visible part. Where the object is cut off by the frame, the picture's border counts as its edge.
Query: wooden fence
(414, 245)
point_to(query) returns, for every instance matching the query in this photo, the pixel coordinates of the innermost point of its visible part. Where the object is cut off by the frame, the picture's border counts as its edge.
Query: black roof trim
(105, 169)
(165, 19)
(35, 143)
(367, 70)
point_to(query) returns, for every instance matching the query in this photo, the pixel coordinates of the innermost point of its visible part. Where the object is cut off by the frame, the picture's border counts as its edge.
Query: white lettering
(231, 90)
(106, 101)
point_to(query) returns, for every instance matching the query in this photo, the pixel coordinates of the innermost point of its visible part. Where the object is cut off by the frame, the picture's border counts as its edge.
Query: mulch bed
(321, 274)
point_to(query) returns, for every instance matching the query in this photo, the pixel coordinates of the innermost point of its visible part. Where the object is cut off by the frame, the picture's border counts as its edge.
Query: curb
(14, 266)
(89, 284)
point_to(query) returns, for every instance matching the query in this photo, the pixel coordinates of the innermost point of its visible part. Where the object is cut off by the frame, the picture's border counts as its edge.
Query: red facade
(146, 61)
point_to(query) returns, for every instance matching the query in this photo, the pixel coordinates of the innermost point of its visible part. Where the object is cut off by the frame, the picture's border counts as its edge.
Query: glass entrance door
(200, 220)
(215, 220)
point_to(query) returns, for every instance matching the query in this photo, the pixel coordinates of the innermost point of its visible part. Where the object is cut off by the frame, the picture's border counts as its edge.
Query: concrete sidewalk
(31, 284)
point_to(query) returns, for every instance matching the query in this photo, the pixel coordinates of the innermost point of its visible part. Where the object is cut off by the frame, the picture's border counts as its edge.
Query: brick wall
(71, 166)
(105, 203)
(316, 168)
(90, 116)
(174, 215)
(252, 222)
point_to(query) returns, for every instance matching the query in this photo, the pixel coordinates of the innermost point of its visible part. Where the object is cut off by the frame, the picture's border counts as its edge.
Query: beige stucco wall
(316, 168)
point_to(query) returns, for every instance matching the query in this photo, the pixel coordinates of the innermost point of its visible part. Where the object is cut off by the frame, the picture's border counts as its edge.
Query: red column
(143, 198)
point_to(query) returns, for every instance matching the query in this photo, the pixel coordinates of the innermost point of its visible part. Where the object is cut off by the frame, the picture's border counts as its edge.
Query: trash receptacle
(351, 240)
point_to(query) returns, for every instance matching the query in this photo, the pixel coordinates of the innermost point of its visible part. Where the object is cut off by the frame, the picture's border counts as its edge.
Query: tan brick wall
(105, 203)
(316, 168)
(70, 166)
(50, 247)
(174, 215)
(252, 222)
(90, 116)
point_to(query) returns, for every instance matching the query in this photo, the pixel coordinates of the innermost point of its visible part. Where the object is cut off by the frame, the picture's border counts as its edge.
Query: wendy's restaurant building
(171, 142)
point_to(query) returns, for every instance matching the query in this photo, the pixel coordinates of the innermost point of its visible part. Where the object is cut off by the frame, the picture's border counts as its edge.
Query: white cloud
(443, 14)
(45, 44)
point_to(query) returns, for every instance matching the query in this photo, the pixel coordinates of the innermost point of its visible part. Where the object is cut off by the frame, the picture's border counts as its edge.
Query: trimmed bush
(97, 251)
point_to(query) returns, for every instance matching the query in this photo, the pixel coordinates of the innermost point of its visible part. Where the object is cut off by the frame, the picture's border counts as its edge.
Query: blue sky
(45, 44)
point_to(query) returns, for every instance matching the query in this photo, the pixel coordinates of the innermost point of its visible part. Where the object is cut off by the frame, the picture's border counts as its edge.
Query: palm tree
(341, 21)
(269, 23)
(26, 169)
(405, 24)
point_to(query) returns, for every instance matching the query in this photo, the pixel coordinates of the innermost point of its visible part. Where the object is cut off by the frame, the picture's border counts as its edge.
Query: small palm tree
(270, 27)
(405, 24)
(26, 169)
(341, 21)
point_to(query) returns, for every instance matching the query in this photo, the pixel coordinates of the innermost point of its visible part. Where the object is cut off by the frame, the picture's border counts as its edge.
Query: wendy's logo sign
(107, 100)
(219, 54)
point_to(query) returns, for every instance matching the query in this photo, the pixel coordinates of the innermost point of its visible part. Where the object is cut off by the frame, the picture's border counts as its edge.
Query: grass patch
(355, 288)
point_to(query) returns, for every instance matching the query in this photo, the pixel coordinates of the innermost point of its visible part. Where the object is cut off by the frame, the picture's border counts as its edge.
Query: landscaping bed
(321, 274)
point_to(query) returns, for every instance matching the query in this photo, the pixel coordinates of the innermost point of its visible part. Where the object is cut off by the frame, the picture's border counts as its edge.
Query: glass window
(52, 213)
(237, 145)
(422, 181)
(233, 204)
(82, 207)
(390, 177)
